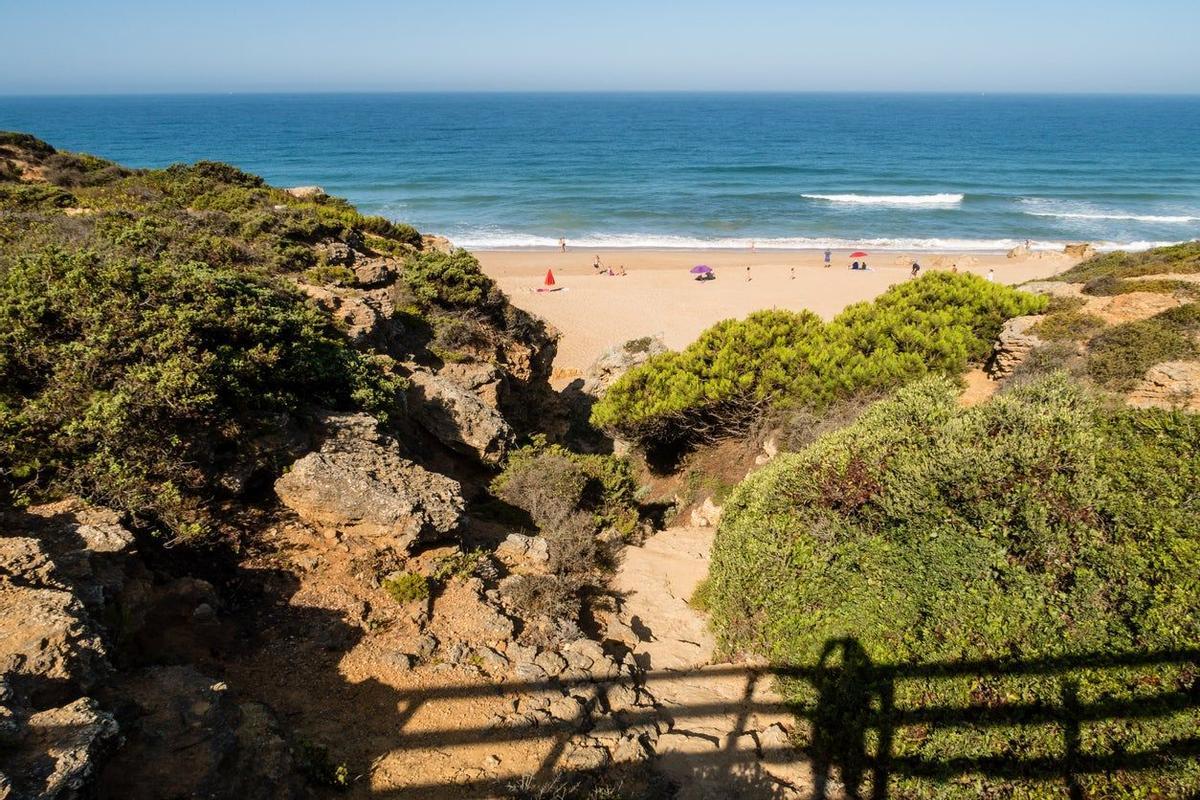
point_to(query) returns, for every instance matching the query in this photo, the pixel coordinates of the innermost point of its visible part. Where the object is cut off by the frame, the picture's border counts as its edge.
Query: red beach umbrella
(549, 277)
(859, 254)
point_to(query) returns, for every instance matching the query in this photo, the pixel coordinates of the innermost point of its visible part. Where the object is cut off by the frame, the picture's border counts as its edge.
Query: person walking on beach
(916, 270)
(991, 276)
(562, 244)
(828, 257)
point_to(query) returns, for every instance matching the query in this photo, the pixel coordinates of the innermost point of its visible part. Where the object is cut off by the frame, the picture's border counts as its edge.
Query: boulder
(1171, 384)
(1020, 251)
(48, 640)
(1012, 346)
(707, 514)
(458, 418)
(375, 272)
(1080, 250)
(357, 483)
(616, 361)
(366, 315)
(59, 751)
(306, 192)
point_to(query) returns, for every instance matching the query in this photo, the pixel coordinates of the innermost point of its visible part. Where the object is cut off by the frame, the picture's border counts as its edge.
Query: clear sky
(117, 46)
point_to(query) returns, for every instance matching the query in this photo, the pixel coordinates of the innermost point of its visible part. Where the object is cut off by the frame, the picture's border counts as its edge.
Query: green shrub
(1068, 326)
(406, 587)
(971, 580)
(1178, 259)
(325, 274)
(1120, 356)
(35, 196)
(450, 280)
(720, 382)
(136, 382)
(550, 482)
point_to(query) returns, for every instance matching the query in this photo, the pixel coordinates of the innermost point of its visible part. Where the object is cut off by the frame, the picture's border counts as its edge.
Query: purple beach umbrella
(700, 269)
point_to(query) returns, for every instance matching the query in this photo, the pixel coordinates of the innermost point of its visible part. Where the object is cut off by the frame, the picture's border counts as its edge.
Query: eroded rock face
(59, 751)
(1172, 384)
(1013, 346)
(366, 314)
(458, 417)
(357, 483)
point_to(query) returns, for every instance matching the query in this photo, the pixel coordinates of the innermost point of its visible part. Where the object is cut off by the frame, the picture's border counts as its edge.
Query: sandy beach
(658, 296)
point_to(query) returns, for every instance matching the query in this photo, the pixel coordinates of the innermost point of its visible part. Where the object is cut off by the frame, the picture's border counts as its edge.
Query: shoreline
(659, 297)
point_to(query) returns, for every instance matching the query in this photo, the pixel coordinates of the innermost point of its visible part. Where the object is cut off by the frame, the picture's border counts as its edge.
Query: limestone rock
(458, 418)
(1171, 384)
(1020, 251)
(707, 514)
(375, 272)
(59, 750)
(47, 635)
(357, 483)
(1080, 250)
(306, 192)
(518, 547)
(1013, 345)
(614, 362)
(366, 315)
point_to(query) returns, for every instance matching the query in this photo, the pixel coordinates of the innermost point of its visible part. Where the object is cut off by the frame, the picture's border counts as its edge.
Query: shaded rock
(1079, 250)
(518, 547)
(190, 738)
(46, 635)
(358, 483)
(59, 751)
(1171, 384)
(1013, 346)
(458, 418)
(550, 662)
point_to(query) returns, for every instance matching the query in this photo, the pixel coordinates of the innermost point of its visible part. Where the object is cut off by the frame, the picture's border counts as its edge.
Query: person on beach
(621, 270)
(752, 250)
(597, 266)
(854, 265)
(748, 278)
(916, 270)
(954, 268)
(991, 276)
(793, 273)
(562, 244)
(828, 257)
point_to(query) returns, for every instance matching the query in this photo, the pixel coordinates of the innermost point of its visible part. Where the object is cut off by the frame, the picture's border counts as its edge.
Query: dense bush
(936, 324)
(450, 280)
(134, 381)
(1181, 258)
(1120, 356)
(1033, 539)
(1068, 326)
(406, 587)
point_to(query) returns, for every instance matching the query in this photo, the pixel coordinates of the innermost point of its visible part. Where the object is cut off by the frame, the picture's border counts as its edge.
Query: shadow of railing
(852, 724)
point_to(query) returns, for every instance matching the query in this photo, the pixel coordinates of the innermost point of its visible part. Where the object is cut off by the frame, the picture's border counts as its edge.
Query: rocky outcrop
(60, 567)
(1012, 346)
(357, 483)
(707, 514)
(1080, 250)
(458, 417)
(616, 361)
(1172, 384)
(306, 192)
(365, 314)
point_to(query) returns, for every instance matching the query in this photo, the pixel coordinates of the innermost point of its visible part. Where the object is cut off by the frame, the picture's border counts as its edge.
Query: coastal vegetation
(1038, 537)
(737, 368)
(152, 328)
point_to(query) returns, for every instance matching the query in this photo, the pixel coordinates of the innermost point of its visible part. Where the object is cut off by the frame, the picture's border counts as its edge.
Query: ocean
(925, 172)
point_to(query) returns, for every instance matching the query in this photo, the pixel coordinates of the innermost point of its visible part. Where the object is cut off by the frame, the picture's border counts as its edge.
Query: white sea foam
(1086, 215)
(890, 199)
(494, 239)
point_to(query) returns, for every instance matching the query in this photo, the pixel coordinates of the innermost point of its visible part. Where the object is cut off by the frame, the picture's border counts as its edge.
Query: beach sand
(658, 296)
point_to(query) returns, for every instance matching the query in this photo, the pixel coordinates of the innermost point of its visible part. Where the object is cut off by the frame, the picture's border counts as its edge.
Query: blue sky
(116, 46)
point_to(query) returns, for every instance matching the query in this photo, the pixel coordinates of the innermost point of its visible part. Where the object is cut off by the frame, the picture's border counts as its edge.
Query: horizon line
(564, 92)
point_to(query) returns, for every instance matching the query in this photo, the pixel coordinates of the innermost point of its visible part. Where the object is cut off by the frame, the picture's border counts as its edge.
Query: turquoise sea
(690, 170)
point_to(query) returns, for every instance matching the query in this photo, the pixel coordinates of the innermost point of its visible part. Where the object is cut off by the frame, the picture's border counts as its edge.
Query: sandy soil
(658, 297)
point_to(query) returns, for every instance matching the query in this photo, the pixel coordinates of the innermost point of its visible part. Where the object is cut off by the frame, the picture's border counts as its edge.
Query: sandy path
(659, 298)
(728, 734)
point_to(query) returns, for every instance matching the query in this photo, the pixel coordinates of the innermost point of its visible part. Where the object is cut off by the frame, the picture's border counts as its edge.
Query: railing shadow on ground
(855, 697)
(853, 723)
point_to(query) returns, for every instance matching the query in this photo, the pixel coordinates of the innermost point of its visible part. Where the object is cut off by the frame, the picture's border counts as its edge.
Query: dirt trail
(729, 729)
